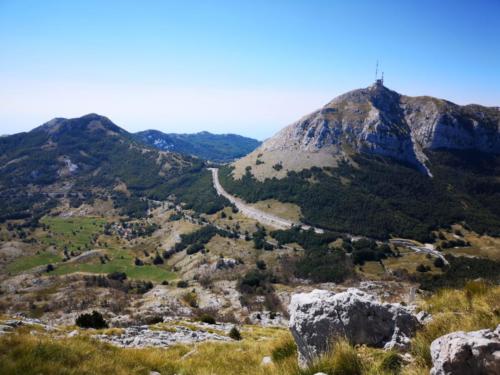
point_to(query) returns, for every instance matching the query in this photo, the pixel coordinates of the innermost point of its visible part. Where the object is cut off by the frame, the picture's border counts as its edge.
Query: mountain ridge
(205, 145)
(376, 120)
(78, 160)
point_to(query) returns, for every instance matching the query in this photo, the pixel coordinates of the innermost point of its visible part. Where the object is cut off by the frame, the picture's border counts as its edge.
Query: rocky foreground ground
(318, 320)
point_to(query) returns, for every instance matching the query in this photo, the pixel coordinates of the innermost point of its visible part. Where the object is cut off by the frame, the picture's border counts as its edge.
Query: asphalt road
(254, 213)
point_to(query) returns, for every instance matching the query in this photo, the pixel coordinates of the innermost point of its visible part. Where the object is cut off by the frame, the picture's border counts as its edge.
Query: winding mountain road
(420, 249)
(254, 213)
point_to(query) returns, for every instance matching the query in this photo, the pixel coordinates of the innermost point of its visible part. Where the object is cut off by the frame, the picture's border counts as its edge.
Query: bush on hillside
(235, 334)
(94, 320)
(118, 276)
(207, 318)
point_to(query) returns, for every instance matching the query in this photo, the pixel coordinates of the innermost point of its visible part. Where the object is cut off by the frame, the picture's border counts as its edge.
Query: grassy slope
(28, 262)
(121, 261)
(472, 308)
(73, 233)
(76, 233)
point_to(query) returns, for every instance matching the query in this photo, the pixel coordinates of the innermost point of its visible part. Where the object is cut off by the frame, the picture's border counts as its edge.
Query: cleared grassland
(74, 233)
(120, 261)
(31, 261)
(287, 211)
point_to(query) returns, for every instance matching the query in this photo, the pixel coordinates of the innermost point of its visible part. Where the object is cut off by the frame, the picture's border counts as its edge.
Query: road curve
(419, 249)
(254, 213)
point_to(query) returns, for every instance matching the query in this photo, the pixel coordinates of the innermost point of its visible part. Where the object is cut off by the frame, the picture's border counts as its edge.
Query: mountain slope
(83, 159)
(205, 145)
(377, 163)
(376, 121)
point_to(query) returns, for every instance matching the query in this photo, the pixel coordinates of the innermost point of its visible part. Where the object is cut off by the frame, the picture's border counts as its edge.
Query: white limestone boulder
(320, 317)
(467, 353)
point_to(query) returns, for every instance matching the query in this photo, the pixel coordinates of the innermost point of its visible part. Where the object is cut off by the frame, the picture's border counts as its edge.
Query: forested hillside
(382, 198)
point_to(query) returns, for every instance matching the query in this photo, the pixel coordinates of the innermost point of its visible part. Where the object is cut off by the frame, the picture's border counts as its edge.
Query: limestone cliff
(377, 120)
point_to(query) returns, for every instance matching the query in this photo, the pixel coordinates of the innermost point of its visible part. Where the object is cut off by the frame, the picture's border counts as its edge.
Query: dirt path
(254, 213)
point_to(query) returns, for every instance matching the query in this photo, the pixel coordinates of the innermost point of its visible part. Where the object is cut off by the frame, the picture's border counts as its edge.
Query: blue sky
(248, 67)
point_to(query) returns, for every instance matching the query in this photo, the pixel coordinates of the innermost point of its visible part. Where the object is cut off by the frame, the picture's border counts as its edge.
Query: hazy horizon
(225, 67)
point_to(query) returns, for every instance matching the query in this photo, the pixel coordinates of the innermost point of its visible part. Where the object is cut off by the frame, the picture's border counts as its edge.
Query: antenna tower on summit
(378, 81)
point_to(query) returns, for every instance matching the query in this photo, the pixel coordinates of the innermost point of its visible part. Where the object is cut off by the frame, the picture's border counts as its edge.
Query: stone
(423, 317)
(73, 333)
(320, 317)
(467, 353)
(266, 361)
(140, 337)
(226, 263)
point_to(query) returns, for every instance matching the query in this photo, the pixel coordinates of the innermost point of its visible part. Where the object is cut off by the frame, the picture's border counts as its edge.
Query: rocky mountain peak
(377, 120)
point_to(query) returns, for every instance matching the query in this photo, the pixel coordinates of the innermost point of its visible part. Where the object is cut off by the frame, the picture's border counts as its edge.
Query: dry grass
(291, 160)
(475, 307)
(288, 211)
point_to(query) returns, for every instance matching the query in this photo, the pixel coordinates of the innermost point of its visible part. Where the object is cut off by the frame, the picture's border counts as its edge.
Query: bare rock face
(377, 120)
(319, 317)
(467, 353)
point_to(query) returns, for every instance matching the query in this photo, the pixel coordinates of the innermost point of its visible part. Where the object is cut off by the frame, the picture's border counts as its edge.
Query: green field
(121, 261)
(74, 232)
(28, 262)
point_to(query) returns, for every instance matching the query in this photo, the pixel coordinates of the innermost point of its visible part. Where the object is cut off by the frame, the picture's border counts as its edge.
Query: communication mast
(378, 81)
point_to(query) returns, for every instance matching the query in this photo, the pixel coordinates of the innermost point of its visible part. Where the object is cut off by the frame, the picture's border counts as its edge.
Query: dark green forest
(383, 198)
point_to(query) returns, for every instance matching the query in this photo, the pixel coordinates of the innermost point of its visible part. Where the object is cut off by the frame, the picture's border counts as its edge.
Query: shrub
(422, 268)
(255, 281)
(94, 320)
(341, 360)
(391, 363)
(207, 318)
(261, 265)
(285, 349)
(191, 299)
(235, 334)
(157, 259)
(155, 319)
(118, 276)
(138, 262)
(50, 268)
(194, 248)
(182, 284)
(439, 263)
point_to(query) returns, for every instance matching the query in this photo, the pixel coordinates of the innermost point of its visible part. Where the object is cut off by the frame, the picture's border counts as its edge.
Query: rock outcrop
(143, 336)
(467, 353)
(320, 317)
(377, 120)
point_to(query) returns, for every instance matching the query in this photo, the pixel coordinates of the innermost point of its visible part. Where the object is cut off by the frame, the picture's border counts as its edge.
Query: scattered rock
(423, 317)
(226, 263)
(268, 318)
(467, 353)
(320, 316)
(266, 361)
(142, 336)
(73, 333)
